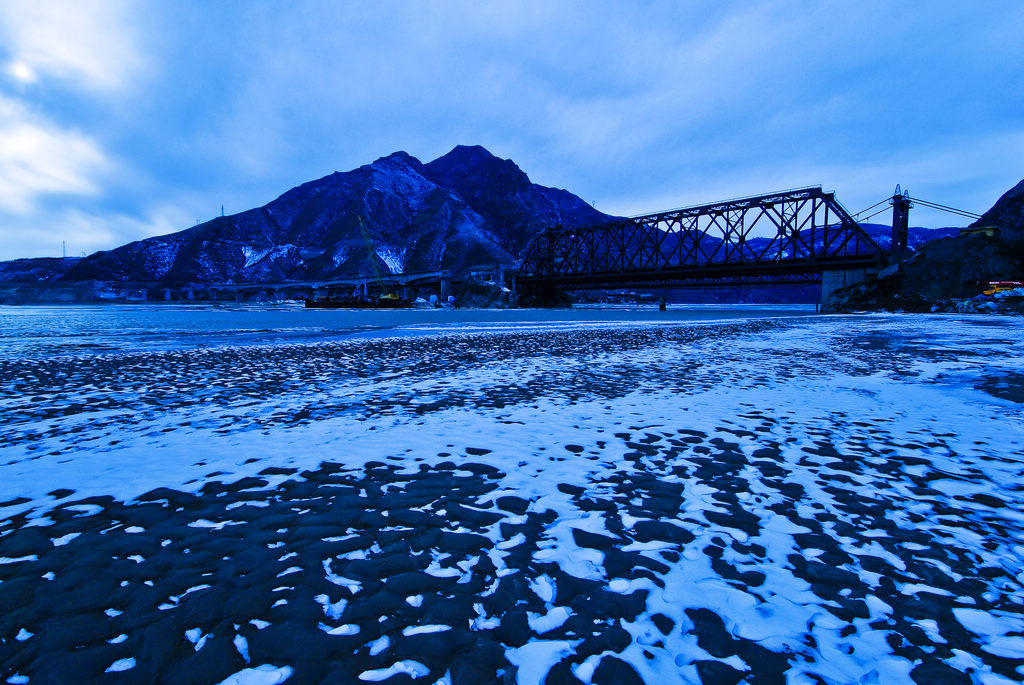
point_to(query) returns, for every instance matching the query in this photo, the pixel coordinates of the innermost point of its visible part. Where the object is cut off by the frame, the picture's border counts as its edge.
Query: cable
(870, 208)
(944, 208)
(883, 209)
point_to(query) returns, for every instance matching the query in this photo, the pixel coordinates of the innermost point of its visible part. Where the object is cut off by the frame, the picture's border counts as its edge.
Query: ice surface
(379, 645)
(412, 668)
(536, 658)
(346, 629)
(121, 665)
(804, 487)
(420, 630)
(260, 675)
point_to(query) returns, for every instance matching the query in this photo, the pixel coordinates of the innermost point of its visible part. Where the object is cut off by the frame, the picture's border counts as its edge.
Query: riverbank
(823, 497)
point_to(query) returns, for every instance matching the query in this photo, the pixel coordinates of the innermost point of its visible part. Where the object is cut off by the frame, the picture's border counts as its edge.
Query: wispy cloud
(39, 158)
(84, 43)
(85, 232)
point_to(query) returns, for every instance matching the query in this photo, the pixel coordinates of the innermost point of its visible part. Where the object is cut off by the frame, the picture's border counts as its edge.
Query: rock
(615, 671)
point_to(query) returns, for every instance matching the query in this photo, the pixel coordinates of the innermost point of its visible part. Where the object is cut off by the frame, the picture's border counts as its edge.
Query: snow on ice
(824, 499)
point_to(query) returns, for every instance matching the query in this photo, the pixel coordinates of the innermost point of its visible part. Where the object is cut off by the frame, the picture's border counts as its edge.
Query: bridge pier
(833, 281)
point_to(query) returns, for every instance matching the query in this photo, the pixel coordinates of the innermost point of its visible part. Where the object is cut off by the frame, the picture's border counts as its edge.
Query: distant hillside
(464, 209)
(916, 236)
(37, 269)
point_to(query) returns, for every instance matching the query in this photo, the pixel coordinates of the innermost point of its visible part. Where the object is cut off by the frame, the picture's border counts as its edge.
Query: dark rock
(25, 542)
(561, 674)
(585, 538)
(648, 531)
(663, 622)
(73, 666)
(213, 663)
(514, 630)
(712, 636)
(615, 671)
(717, 673)
(932, 671)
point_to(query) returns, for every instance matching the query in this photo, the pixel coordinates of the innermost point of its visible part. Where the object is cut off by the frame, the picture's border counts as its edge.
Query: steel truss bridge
(788, 237)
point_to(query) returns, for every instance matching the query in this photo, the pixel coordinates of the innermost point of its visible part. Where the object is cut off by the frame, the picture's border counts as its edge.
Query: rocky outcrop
(1007, 214)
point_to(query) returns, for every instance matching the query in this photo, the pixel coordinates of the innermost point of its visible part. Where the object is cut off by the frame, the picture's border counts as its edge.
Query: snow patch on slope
(393, 258)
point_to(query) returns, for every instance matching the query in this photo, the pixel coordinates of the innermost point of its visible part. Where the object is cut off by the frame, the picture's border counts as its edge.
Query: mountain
(36, 269)
(916, 235)
(1007, 213)
(498, 189)
(395, 215)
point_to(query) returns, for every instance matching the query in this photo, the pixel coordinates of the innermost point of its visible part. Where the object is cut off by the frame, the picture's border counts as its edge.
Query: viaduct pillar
(833, 281)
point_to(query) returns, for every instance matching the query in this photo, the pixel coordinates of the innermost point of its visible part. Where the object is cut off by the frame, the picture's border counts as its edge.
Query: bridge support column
(446, 288)
(834, 281)
(167, 294)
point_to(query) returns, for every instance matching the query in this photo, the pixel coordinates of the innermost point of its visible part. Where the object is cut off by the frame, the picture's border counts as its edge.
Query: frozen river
(33, 331)
(597, 496)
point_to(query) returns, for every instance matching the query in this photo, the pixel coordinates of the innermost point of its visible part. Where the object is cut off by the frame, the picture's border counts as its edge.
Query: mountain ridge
(395, 214)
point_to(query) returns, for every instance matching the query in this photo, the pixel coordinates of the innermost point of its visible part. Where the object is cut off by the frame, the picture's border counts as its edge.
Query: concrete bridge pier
(834, 281)
(167, 294)
(446, 288)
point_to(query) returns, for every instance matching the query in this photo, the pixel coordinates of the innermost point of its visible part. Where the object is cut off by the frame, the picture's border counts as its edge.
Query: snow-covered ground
(832, 499)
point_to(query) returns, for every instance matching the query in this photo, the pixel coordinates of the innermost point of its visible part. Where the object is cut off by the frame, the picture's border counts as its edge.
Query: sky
(123, 120)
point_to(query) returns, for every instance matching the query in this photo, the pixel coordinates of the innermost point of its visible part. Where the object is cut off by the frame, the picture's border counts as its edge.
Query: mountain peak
(474, 162)
(399, 158)
(467, 153)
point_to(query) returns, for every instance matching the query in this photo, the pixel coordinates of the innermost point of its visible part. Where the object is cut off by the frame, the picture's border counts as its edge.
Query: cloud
(38, 158)
(85, 43)
(85, 232)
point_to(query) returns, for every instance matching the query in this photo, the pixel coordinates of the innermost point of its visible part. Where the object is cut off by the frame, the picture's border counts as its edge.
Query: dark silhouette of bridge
(790, 237)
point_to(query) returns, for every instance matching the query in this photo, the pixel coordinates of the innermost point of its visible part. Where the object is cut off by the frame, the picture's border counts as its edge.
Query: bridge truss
(788, 237)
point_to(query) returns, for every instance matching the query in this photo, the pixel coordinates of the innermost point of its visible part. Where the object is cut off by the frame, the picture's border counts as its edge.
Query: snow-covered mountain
(395, 215)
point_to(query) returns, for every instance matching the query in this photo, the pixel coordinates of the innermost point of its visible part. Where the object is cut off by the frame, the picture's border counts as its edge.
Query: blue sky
(122, 120)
